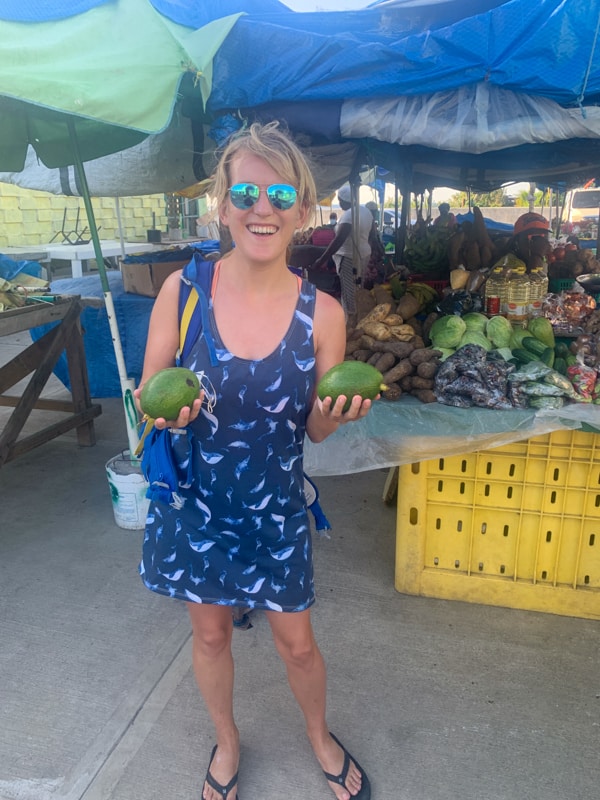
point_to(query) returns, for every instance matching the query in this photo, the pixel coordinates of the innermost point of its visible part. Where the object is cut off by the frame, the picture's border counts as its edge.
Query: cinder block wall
(30, 217)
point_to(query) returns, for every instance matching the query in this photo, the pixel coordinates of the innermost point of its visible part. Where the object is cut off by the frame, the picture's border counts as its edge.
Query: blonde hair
(270, 143)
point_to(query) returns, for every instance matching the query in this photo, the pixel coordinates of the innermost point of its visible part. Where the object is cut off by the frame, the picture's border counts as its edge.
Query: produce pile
(568, 261)
(389, 337)
(431, 249)
(470, 360)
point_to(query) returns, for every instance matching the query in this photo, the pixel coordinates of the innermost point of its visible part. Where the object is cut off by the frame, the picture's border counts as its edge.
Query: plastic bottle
(517, 311)
(496, 286)
(538, 289)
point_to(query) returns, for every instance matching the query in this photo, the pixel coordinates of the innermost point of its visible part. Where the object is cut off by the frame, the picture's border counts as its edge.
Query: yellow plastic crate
(515, 526)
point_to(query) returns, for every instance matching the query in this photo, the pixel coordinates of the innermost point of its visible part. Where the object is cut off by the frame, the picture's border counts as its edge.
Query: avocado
(350, 378)
(166, 392)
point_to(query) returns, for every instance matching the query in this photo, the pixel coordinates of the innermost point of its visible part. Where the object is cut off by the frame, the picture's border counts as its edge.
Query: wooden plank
(40, 358)
(27, 443)
(23, 319)
(43, 404)
(25, 362)
(78, 378)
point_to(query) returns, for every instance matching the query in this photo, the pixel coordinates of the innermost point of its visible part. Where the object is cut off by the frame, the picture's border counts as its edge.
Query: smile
(263, 230)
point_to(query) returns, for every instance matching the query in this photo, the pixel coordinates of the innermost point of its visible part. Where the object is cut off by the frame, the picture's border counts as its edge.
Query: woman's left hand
(359, 408)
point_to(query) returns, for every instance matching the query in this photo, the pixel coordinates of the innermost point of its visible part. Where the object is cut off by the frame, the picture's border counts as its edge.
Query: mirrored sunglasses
(245, 195)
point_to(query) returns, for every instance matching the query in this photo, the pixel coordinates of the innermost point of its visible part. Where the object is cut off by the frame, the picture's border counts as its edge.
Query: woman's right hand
(186, 415)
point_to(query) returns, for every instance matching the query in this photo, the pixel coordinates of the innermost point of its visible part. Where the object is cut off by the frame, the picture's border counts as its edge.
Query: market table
(78, 254)
(494, 507)
(408, 431)
(40, 358)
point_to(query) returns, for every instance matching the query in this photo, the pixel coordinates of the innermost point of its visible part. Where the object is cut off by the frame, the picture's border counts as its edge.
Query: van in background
(582, 211)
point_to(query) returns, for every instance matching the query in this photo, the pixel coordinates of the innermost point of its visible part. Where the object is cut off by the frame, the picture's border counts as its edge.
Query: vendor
(530, 240)
(347, 247)
(446, 218)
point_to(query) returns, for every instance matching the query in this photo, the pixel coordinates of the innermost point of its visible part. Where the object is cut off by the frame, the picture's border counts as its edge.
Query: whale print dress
(238, 532)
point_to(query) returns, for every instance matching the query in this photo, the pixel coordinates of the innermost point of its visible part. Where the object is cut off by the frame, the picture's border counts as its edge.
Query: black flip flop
(222, 790)
(365, 786)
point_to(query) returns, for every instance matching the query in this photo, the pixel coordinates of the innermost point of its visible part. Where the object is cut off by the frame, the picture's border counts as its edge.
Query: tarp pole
(127, 384)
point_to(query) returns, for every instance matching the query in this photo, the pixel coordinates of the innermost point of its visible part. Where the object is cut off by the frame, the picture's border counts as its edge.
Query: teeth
(262, 229)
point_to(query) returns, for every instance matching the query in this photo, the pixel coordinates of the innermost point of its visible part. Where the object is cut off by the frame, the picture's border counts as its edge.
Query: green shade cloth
(116, 70)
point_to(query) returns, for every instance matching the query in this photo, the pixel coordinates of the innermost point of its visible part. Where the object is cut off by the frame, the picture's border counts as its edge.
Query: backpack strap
(194, 293)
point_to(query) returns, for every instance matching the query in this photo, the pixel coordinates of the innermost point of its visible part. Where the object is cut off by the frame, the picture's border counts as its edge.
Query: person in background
(239, 535)
(347, 246)
(333, 218)
(446, 218)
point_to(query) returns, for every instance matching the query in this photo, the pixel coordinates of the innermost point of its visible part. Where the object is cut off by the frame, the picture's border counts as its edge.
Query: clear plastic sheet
(471, 119)
(407, 431)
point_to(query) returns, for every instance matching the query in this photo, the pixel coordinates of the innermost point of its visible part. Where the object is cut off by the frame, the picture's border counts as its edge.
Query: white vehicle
(582, 208)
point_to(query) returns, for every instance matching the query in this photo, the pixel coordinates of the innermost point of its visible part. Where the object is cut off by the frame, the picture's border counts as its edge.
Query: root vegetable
(427, 369)
(393, 392)
(377, 330)
(376, 314)
(351, 346)
(421, 383)
(422, 354)
(385, 362)
(401, 331)
(408, 306)
(398, 349)
(368, 342)
(424, 395)
(402, 368)
(393, 319)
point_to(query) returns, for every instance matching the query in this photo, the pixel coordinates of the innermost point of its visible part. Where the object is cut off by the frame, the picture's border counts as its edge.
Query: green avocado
(350, 378)
(166, 392)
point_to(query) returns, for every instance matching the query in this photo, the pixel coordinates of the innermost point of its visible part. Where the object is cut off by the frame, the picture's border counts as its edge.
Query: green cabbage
(542, 329)
(474, 337)
(446, 332)
(475, 321)
(499, 331)
(517, 336)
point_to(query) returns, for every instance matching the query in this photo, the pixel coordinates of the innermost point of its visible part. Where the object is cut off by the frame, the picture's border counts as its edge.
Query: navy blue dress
(239, 533)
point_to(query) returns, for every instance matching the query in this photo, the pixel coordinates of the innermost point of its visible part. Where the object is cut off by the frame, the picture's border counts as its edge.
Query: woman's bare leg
(295, 643)
(212, 628)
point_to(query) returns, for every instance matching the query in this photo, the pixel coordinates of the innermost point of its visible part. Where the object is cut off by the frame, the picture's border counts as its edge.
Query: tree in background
(495, 199)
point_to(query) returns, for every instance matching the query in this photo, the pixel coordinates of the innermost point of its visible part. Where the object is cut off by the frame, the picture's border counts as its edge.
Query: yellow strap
(190, 305)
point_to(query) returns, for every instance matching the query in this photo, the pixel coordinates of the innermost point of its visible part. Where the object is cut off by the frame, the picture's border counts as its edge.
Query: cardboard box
(147, 278)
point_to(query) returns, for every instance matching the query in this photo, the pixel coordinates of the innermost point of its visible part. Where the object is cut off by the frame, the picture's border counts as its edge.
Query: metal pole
(127, 384)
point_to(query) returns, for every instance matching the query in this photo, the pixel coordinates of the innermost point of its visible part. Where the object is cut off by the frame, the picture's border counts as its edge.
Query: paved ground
(438, 700)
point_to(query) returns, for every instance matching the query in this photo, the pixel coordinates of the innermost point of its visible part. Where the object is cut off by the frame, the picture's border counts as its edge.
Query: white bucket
(128, 491)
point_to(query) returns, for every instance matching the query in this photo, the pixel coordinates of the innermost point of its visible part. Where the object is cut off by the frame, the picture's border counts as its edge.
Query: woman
(241, 536)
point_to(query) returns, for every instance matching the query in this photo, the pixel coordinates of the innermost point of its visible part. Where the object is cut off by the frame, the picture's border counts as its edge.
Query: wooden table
(40, 358)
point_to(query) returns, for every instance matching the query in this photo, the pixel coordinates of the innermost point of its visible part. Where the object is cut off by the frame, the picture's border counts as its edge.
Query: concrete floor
(438, 700)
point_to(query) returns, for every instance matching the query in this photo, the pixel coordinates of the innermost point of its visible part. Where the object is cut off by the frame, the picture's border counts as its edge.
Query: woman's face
(261, 231)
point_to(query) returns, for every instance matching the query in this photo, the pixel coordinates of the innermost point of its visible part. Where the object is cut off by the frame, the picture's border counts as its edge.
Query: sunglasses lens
(244, 195)
(282, 196)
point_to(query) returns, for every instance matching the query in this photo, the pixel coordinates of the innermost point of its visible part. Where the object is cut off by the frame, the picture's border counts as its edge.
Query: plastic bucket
(128, 491)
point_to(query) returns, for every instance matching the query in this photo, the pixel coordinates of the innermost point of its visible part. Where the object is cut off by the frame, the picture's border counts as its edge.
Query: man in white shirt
(350, 248)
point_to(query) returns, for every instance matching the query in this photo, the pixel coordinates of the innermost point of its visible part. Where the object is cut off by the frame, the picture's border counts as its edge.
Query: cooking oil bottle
(517, 310)
(496, 291)
(538, 289)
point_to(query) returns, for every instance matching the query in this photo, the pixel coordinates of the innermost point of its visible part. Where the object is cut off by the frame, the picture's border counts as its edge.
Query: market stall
(38, 362)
